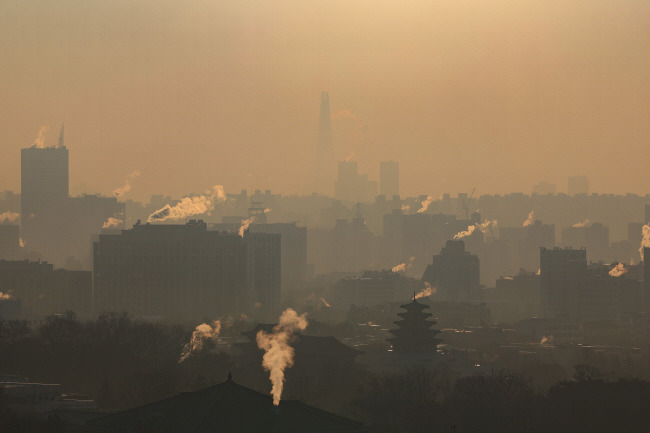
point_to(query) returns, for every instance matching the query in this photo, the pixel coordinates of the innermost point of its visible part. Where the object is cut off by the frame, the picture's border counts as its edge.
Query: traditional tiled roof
(225, 408)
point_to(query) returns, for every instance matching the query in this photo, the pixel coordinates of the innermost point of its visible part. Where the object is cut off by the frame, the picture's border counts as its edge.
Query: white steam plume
(200, 334)
(278, 354)
(427, 291)
(244, 225)
(350, 157)
(645, 239)
(5, 296)
(584, 223)
(406, 208)
(111, 222)
(529, 220)
(21, 242)
(188, 206)
(39, 143)
(8, 216)
(618, 270)
(483, 227)
(402, 267)
(267, 210)
(425, 204)
(120, 192)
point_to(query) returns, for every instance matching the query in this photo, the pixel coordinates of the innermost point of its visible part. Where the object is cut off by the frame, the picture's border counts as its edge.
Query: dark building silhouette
(324, 167)
(186, 271)
(9, 241)
(389, 178)
(293, 239)
(53, 224)
(594, 237)
(44, 290)
(562, 274)
(454, 273)
(228, 408)
(351, 246)
(413, 333)
(44, 195)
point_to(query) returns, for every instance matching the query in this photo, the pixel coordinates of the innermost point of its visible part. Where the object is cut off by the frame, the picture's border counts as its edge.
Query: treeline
(121, 363)
(427, 401)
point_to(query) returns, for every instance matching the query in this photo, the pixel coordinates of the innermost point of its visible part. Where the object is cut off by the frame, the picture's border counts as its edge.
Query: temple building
(413, 333)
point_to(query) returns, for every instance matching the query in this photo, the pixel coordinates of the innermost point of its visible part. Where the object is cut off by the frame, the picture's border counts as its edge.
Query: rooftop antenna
(61, 137)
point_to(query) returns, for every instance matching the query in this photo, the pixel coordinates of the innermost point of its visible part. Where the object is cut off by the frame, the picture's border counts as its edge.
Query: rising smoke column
(121, 191)
(5, 296)
(581, 224)
(427, 291)
(403, 266)
(39, 143)
(199, 336)
(618, 270)
(189, 206)
(111, 222)
(244, 225)
(425, 204)
(529, 220)
(645, 239)
(278, 354)
(483, 227)
(8, 216)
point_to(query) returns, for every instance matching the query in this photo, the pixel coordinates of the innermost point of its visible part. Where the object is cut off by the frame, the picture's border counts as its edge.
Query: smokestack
(61, 144)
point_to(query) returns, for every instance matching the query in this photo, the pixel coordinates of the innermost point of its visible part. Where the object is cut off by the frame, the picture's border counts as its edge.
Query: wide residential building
(186, 272)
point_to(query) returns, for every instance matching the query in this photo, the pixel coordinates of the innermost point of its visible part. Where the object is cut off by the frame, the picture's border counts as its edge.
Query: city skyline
(228, 93)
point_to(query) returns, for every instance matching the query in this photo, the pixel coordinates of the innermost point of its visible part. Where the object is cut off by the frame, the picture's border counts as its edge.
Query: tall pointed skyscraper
(324, 167)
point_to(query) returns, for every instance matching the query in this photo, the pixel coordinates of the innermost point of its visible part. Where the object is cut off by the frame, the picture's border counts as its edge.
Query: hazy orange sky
(496, 95)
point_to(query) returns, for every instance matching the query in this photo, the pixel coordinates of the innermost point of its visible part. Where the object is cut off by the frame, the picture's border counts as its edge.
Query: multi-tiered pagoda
(413, 333)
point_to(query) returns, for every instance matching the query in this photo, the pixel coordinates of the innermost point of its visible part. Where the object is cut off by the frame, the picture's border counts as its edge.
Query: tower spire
(61, 144)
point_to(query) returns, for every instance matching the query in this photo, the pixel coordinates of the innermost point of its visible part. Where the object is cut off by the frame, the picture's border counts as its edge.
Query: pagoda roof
(226, 408)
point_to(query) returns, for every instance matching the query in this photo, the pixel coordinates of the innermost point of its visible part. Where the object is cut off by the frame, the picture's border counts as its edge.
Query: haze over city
(324, 216)
(497, 95)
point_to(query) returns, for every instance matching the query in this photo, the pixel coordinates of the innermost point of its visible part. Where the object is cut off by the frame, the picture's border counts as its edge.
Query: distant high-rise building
(44, 195)
(647, 214)
(389, 178)
(352, 186)
(187, 272)
(9, 241)
(324, 168)
(562, 274)
(454, 272)
(578, 185)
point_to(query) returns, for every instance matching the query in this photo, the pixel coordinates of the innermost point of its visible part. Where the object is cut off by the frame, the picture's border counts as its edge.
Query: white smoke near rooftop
(618, 270)
(581, 224)
(8, 216)
(244, 225)
(39, 142)
(529, 220)
(189, 206)
(201, 333)
(645, 239)
(5, 296)
(278, 354)
(120, 192)
(427, 291)
(112, 222)
(484, 227)
(425, 204)
(402, 267)
(406, 208)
